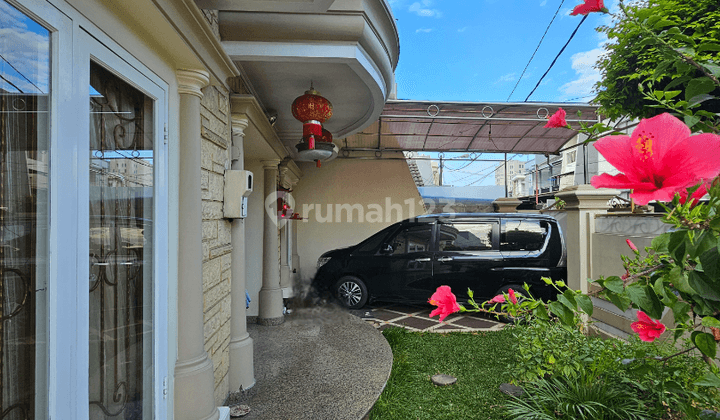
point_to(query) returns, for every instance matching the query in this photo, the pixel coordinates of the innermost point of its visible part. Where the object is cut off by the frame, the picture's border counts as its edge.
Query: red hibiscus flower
(513, 299)
(694, 197)
(445, 301)
(557, 120)
(647, 329)
(659, 159)
(589, 6)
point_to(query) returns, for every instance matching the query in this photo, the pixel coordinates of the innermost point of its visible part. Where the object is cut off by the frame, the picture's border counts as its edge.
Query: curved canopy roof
(470, 127)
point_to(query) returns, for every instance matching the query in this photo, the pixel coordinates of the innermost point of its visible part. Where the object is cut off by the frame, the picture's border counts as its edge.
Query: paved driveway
(416, 318)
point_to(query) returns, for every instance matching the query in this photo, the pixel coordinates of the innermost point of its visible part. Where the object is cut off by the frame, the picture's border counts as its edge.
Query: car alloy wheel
(351, 292)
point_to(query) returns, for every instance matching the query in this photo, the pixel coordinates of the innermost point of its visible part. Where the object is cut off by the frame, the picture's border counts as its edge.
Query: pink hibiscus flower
(498, 299)
(631, 245)
(445, 301)
(647, 329)
(589, 6)
(557, 120)
(659, 159)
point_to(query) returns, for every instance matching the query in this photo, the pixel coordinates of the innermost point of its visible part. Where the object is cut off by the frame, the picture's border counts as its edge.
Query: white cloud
(544, 2)
(510, 77)
(463, 29)
(424, 30)
(422, 8)
(586, 75)
(25, 54)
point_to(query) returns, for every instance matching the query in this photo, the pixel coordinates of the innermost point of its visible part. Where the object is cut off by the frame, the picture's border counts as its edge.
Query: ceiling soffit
(347, 49)
(469, 127)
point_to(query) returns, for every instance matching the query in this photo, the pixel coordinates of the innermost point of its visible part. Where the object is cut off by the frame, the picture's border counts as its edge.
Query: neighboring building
(514, 167)
(424, 170)
(126, 247)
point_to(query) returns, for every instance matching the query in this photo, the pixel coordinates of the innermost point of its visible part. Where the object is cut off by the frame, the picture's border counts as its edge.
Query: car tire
(351, 292)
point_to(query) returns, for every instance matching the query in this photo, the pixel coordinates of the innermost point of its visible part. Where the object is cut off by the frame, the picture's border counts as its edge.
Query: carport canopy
(470, 127)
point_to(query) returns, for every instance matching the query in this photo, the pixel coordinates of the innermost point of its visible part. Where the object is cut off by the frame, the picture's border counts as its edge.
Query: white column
(270, 299)
(194, 379)
(582, 204)
(242, 371)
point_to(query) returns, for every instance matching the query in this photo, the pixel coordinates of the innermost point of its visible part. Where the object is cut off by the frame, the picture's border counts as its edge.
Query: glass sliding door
(24, 164)
(121, 200)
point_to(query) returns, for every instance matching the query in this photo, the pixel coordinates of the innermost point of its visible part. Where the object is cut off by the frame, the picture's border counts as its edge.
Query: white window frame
(74, 41)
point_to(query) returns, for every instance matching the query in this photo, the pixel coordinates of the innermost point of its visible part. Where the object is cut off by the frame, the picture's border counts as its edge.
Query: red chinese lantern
(312, 110)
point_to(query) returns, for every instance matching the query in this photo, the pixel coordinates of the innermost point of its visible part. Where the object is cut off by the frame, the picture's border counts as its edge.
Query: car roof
(438, 216)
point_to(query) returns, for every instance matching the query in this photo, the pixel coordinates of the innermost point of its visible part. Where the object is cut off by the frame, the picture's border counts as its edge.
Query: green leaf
(709, 321)
(698, 86)
(678, 279)
(708, 46)
(715, 223)
(712, 68)
(710, 261)
(681, 312)
(614, 284)
(585, 304)
(691, 120)
(541, 312)
(568, 299)
(710, 379)
(620, 301)
(671, 94)
(676, 246)
(703, 286)
(705, 343)
(562, 312)
(660, 242)
(663, 23)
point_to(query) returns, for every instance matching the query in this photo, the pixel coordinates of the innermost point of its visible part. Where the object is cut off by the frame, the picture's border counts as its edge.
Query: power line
(556, 57)
(18, 72)
(536, 49)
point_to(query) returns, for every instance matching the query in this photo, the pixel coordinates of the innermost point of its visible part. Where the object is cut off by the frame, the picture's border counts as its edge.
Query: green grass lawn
(481, 362)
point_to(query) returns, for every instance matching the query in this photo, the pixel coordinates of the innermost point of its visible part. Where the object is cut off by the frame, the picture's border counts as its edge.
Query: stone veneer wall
(216, 245)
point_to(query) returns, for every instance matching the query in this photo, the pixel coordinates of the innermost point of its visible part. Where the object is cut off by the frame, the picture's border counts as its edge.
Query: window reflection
(121, 246)
(24, 89)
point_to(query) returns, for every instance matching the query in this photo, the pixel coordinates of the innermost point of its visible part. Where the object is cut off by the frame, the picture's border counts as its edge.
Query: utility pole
(441, 170)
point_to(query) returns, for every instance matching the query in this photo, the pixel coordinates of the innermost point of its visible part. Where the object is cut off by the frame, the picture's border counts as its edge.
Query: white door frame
(74, 41)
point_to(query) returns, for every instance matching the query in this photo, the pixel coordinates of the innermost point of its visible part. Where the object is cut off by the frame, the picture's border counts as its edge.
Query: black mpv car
(488, 253)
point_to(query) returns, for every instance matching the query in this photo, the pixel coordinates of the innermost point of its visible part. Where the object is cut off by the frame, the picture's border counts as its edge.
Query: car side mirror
(386, 249)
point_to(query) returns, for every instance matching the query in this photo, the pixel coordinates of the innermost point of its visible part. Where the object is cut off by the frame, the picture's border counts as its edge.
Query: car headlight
(322, 261)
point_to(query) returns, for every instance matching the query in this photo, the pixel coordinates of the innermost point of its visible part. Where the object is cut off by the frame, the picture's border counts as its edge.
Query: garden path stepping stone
(443, 380)
(511, 390)
(239, 410)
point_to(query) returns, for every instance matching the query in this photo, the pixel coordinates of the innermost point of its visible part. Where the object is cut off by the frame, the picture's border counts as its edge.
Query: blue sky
(476, 50)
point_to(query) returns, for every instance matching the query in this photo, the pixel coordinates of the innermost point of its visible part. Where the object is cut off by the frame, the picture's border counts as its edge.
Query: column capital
(270, 163)
(586, 197)
(239, 123)
(190, 81)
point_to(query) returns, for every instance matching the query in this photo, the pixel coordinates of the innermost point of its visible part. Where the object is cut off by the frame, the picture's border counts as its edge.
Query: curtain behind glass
(121, 243)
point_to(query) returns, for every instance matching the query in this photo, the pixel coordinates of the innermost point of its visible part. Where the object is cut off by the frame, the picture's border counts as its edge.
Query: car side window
(466, 236)
(412, 239)
(523, 235)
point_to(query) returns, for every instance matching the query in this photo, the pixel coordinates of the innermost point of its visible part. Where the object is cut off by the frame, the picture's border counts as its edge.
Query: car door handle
(445, 259)
(422, 260)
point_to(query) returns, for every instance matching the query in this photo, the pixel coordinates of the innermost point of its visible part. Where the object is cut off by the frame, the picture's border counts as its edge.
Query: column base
(242, 369)
(271, 322)
(270, 304)
(194, 386)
